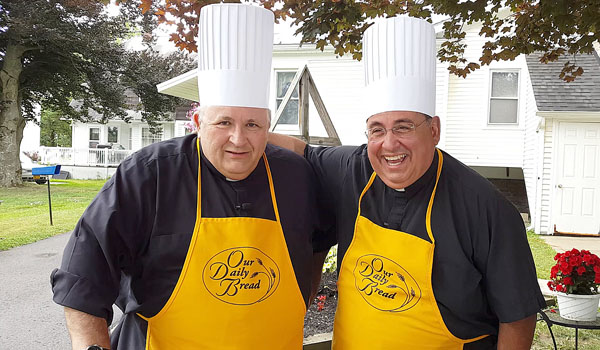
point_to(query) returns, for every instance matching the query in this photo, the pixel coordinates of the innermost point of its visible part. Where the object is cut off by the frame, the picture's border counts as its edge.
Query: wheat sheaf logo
(384, 284)
(241, 276)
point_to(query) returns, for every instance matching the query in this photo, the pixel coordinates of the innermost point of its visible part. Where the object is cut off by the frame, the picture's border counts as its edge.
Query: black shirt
(130, 244)
(483, 271)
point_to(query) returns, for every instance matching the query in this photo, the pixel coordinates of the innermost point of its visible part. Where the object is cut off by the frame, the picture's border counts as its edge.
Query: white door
(578, 180)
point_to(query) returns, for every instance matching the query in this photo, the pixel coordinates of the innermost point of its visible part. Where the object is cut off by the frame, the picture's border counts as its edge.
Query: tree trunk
(12, 122)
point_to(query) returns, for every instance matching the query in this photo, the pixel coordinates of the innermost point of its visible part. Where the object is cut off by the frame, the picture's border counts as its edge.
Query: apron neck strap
(430, 206)
(271, 186)
(428, 216)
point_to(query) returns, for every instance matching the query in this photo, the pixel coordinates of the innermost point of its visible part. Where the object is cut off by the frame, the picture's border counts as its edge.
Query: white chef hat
(235, 49)
(399, 60)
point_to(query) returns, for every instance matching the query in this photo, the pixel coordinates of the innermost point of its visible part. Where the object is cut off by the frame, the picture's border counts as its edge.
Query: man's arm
(288, 142)
(86, 329)
(516, 335)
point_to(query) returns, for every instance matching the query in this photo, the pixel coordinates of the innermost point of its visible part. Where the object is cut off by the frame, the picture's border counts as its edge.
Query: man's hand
(516, 335)
(86, 329)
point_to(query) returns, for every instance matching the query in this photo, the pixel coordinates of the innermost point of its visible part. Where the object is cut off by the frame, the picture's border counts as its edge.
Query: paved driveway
(563, 243)
(29, 319)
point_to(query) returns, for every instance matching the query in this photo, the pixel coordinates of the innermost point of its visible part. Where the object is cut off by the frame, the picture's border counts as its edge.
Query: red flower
(564, 279)
(320, 306)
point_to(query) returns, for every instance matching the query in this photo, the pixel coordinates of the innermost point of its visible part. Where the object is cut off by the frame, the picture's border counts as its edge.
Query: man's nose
(390, 140)
(237, 136)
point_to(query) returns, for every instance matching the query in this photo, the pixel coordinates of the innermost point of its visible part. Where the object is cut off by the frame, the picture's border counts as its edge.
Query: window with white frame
(113, 134)
(504, 98)
(131, 99)
(290, 113)
(149, 138)
(94, 138)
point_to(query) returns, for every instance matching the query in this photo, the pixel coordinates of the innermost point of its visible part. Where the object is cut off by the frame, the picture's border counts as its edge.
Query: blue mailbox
(46, 170)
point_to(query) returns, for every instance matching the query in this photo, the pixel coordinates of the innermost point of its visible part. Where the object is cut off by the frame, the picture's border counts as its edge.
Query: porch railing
(83, 156)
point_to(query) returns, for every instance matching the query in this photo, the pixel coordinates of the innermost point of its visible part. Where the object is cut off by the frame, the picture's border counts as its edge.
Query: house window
(113, 134)
(150, 138)
(290, 113)
(94, 139)
(131, 99)
(504, 98)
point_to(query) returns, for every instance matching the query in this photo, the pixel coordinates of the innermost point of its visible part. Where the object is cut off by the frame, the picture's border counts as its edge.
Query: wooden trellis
(306, 88)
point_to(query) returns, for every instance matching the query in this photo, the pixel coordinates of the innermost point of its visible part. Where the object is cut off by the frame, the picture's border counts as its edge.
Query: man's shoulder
(463, 178)
(164, 150)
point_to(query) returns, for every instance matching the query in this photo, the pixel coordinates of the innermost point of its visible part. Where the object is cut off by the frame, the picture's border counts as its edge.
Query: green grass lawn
(543, 255)
(24, 216)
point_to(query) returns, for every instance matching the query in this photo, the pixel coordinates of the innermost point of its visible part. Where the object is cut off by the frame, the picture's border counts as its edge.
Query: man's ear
(196, 120)
(436, 129)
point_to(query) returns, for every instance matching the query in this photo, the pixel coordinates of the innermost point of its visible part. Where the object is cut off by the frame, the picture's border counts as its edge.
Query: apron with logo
(237, 288)
(386, 298)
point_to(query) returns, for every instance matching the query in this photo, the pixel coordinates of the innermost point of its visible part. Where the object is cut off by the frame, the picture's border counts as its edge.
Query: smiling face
(234, 138)
(401, 160)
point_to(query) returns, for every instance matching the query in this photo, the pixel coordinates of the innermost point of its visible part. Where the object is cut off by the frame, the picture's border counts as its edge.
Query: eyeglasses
(402, 129)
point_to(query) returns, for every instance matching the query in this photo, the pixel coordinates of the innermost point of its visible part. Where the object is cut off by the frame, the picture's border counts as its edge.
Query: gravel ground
(321, 321)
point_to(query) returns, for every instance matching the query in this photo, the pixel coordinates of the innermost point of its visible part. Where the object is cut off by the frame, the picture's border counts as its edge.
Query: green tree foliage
(512, 27)
(53, 52)
(54, 131)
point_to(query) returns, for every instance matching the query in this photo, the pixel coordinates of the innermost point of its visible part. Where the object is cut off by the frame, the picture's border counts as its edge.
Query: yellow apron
(237, 288)
(386, 299)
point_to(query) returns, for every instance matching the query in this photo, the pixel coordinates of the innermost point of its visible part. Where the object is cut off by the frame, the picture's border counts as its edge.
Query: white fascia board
(569, 114)
(184, 86)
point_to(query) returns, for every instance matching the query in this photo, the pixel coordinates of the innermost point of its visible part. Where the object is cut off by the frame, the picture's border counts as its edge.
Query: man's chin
(394, 182)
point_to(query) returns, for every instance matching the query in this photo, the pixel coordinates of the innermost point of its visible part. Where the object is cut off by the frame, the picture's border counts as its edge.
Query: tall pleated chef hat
(399, 60)
(235, 49)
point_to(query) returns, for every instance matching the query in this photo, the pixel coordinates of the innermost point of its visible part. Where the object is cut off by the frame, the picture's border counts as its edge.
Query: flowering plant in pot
(576, 277)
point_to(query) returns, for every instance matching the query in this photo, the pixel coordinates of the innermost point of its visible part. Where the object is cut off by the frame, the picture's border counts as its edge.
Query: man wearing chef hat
(430, 255)
(204, 242)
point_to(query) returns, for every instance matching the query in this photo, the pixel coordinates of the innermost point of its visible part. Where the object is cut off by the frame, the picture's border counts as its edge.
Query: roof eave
(568, 114)
(184, 86)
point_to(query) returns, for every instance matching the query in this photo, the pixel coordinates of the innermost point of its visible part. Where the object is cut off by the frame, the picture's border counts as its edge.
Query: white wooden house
(515, 122)
(98, 148)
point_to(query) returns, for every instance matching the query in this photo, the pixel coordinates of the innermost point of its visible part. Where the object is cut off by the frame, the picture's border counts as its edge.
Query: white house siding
(529, 146)
(339, 81)
(130, 134)
(442, 77)
(340, 84)
(547, 177)
(468, 136)
(179, 128)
